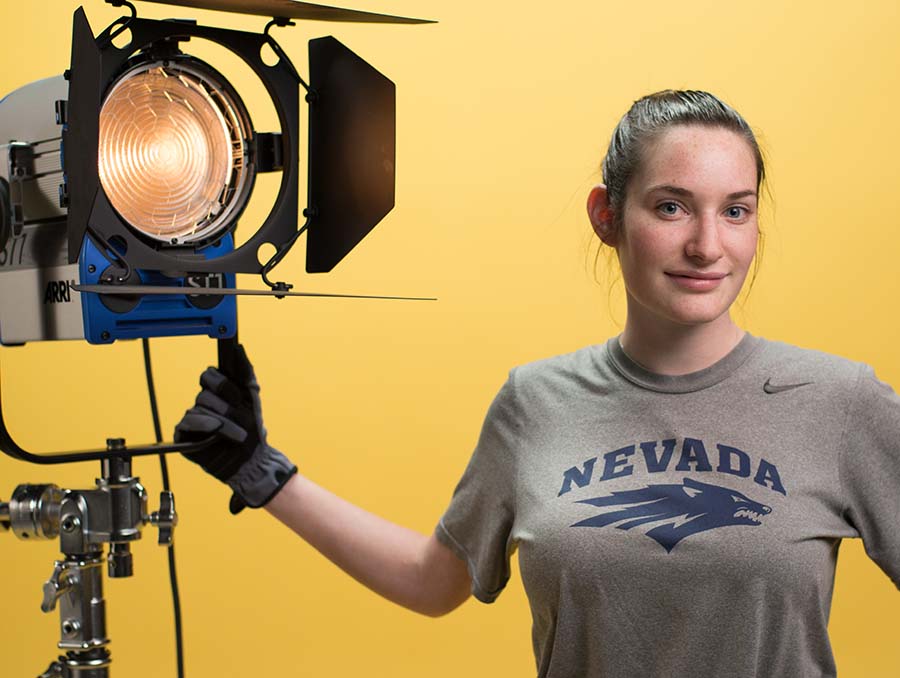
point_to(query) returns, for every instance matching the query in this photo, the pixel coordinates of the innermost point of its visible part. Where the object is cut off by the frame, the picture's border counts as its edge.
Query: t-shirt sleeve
(870, 471)
(478, 523)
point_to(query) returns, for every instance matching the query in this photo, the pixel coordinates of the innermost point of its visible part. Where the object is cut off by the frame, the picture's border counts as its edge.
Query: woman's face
(689, 229)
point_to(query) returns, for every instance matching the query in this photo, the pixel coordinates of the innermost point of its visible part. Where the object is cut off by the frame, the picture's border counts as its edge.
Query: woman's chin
(697, 311)
(682, 309)
(699, 318)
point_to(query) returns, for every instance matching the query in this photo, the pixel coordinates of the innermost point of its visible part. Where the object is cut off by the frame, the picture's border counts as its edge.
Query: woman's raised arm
(406, 567)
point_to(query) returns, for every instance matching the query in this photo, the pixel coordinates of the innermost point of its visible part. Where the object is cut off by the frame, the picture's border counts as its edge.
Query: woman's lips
(710, 282)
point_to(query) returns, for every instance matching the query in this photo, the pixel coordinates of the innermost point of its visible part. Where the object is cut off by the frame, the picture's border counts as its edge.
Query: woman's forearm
(404, 566)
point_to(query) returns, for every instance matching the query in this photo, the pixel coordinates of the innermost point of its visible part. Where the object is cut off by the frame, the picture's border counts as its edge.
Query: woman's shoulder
(791, 362)
(559, 371)
(578, 359)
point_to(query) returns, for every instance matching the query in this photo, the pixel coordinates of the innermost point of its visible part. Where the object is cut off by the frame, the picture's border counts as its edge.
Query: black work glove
(230, 410)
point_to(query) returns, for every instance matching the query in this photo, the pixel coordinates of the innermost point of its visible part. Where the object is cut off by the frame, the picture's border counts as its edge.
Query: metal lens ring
(173, 151)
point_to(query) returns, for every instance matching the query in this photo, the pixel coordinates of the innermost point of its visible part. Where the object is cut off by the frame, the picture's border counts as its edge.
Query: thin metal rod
(139, 290)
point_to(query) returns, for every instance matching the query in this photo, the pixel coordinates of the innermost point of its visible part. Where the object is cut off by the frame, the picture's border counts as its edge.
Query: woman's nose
(705, 242)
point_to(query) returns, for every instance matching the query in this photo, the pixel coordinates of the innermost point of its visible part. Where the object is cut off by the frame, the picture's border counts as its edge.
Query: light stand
(111, 513)
(114, 512)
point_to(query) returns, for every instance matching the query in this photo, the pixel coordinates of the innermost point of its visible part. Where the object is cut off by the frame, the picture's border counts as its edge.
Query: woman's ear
(601, 215)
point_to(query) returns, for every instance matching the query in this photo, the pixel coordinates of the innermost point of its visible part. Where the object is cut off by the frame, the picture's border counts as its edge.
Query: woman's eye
(670, 209)
(736, 212)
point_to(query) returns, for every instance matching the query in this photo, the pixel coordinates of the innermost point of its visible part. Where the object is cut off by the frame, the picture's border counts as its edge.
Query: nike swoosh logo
(769, 387)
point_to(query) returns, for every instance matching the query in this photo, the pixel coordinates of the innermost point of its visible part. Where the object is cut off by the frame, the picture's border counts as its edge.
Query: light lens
(172, 152)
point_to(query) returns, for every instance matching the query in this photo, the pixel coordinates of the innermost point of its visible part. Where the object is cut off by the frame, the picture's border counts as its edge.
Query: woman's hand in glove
(229, 410)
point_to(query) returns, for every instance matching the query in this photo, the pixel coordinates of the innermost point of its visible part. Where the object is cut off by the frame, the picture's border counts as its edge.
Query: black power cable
(164, 468)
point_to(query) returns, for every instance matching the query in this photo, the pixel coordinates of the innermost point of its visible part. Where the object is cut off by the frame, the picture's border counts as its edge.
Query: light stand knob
(55, 670)
(165, 519)
(60, 582)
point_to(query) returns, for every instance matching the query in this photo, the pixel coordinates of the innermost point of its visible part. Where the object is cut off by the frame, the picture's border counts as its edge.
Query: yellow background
(504, 112)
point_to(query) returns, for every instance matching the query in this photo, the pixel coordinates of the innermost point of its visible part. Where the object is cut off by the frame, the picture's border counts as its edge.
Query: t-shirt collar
(682, 383)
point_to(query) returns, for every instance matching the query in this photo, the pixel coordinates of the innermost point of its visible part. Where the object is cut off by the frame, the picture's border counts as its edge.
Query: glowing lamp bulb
(171, 152)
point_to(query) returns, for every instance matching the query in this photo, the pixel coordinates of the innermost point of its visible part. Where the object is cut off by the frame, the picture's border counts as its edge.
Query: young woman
(678, 493)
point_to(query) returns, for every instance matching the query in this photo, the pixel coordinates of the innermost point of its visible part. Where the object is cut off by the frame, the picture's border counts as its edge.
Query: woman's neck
(674, 349)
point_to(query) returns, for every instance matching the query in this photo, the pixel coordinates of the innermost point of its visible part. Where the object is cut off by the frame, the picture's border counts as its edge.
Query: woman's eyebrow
(678, 190)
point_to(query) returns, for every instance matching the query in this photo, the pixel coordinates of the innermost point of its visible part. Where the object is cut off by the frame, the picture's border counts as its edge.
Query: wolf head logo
(686, 509)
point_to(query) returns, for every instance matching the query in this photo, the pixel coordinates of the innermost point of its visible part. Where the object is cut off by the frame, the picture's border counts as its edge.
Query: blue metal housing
(118, 317)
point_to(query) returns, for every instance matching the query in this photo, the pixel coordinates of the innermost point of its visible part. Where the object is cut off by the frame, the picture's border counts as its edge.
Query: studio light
(125, 180)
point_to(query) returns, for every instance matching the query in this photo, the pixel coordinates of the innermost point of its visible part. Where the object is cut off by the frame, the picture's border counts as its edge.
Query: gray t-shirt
(681, 525)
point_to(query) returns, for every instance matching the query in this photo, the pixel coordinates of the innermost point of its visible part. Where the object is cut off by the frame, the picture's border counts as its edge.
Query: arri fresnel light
(121, 185)
(126, 179)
